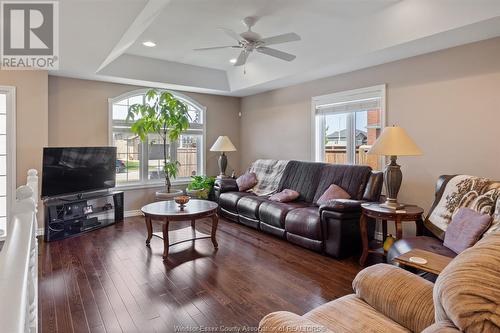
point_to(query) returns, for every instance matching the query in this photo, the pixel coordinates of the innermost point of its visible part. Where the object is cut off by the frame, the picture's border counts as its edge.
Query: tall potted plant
(165, 115)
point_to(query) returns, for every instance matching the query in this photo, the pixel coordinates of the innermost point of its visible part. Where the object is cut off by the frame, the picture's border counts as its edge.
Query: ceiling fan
(250, 41)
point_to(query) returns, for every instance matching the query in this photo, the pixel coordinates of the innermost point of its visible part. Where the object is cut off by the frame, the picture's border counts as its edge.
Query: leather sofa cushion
(351, 178)
(249, 206)
(302, 177)
(304, 222)
(229, 200)
(420, 242)
(274, 213)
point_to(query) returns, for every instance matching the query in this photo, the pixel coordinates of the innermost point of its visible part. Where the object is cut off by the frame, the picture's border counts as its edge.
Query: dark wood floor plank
(62, 307)
(46, 308)
(109, 281)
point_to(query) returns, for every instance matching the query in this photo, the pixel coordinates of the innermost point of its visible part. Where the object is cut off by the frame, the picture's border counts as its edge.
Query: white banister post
(32, 323)
(32, 182)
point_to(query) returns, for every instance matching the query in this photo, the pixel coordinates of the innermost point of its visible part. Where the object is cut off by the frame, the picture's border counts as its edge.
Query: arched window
(141, 163)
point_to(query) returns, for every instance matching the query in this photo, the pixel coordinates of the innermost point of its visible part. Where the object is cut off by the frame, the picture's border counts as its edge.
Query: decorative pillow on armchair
(246, 181)
(286, 195)
(333, 192)
(466, 228)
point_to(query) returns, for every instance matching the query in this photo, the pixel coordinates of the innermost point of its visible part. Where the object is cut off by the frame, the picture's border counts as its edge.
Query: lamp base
(392, 180)
(392, 204)
(222, 165)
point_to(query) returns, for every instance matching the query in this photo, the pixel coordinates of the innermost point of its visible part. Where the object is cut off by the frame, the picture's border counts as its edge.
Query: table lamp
(394, 142)
(223, 144)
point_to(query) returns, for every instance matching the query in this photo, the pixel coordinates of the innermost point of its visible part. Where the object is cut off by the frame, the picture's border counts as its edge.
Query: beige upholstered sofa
(465, 297)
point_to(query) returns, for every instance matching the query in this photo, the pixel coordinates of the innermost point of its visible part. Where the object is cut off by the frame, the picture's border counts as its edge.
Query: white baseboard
(130, 213)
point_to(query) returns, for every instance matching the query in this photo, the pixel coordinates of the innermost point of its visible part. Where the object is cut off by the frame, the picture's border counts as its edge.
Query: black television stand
(71, 216)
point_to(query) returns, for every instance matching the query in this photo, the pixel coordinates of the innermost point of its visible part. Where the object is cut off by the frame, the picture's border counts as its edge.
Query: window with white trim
(141, 163)
(346, 124)
(7, 156)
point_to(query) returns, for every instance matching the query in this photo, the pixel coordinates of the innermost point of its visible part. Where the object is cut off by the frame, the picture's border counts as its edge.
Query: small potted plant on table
(167, 116)
(200, 186)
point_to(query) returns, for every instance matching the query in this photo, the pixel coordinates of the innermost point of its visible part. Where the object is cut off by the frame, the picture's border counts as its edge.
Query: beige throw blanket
(269, 173)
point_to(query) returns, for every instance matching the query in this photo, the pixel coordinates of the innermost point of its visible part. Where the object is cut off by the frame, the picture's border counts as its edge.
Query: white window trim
(316, 154)
(182, 97)
(11, 150)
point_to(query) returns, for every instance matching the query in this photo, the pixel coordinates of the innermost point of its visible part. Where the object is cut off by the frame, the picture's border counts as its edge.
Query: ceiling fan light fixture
(149, 43)
(250, 41)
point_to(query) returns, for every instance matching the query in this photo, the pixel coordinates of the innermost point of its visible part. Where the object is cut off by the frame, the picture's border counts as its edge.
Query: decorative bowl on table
(182, 200)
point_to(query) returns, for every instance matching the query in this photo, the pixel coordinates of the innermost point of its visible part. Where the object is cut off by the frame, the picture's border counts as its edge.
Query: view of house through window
(142, 162)
(347, 125)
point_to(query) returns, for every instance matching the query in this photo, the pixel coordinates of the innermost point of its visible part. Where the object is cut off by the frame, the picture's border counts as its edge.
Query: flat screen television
(77, 169)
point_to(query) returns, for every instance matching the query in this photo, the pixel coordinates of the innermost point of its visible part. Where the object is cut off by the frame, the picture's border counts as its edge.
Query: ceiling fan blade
(276, 53)
(232, 34)
(216, 48)
(285, 38)
(242, 58)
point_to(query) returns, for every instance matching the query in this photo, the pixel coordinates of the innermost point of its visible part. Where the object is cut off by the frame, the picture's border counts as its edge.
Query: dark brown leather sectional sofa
(332, 228)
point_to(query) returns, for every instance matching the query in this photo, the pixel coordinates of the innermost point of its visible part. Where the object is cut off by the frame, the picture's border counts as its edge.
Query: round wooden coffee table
(168, 211)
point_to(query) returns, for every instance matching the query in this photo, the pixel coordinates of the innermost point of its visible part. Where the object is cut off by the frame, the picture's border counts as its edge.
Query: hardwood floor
(109, 281)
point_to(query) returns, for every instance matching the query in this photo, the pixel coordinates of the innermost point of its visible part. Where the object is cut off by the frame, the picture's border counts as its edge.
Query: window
(346, 125)
(7, 155)
(141, 163)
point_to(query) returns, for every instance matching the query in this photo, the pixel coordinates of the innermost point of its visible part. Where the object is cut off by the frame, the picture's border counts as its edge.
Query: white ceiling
(102, 39)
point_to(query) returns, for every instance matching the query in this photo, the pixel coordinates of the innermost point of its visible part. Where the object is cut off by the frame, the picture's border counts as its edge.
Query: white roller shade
(349, 106)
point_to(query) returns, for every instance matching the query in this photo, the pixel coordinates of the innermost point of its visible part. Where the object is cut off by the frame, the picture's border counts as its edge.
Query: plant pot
(164, 195)
(198, 194)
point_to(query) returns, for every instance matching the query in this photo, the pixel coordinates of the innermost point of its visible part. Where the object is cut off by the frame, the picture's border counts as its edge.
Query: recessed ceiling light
(233, 61)
(149, 43)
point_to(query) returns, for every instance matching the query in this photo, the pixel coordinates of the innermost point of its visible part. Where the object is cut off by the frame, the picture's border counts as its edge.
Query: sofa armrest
(283, 321)
(442, 327)
(342, 205)
(226, 185)
(402, 296)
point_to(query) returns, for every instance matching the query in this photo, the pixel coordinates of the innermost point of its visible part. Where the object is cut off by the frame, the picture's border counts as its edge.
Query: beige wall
(31, 119)
(78, 116)
(448, 101)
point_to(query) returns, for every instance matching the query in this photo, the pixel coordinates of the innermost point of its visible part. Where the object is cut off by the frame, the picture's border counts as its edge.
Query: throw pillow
(465, 229)
(286, 195)
(246, 181)
(333, 192)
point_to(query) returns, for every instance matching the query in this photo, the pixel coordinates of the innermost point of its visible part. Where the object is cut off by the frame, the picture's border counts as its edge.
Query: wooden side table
(372, 212)
(435, 262)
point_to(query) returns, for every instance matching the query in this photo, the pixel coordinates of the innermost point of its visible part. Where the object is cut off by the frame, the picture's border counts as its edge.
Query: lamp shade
(394, 141)
(223, 144)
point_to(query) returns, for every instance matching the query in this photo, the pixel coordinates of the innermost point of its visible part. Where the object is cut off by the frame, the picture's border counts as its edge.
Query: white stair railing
(18, 263)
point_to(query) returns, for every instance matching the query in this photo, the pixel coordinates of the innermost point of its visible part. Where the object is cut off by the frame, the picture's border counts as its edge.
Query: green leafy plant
(165, 115)
(203, 184)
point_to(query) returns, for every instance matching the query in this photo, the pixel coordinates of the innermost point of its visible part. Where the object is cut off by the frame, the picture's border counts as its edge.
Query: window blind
(349, 106)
